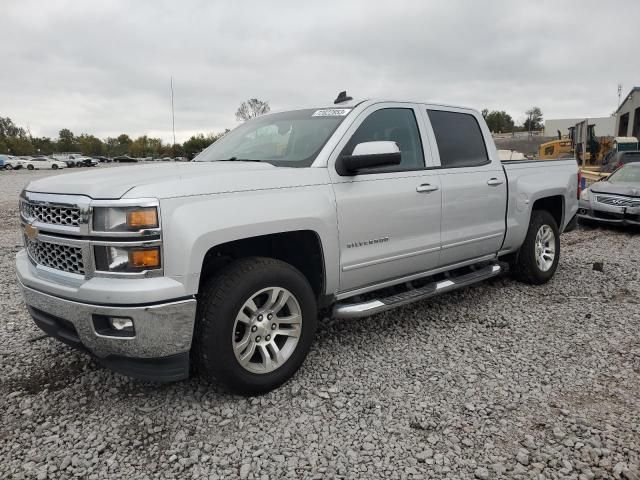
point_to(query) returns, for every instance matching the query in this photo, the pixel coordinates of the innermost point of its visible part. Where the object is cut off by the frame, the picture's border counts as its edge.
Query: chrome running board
(371, 307)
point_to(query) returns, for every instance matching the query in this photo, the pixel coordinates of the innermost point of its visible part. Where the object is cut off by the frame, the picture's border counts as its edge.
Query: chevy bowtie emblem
(30, 231)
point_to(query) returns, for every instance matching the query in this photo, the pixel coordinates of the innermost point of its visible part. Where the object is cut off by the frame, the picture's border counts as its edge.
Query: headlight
(584, 195)
(127, 259)
(124, 219)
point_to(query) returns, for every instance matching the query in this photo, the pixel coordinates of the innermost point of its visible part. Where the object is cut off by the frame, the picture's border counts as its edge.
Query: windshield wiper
(236, 159)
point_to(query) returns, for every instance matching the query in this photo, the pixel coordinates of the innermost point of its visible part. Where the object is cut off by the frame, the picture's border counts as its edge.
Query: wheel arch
(553, 204)
(299, 248)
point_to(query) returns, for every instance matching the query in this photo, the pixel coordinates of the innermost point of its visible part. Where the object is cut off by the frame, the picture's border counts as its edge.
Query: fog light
(113, 326)
(121, 324)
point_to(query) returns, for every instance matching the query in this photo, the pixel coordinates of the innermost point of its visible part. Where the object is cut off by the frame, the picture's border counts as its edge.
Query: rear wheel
(30, 167)
(255, 324)
(537, 260)
(8, 166)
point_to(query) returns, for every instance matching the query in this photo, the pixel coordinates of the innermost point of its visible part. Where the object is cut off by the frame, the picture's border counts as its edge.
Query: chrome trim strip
(472, 240)
(414, 276)
(358, 309)
(355, 266)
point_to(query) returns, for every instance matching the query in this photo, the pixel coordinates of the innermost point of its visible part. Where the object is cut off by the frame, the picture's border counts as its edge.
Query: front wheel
(54, 167)
(30, 167)
(255, 323)
(538, 257)
(8, 167)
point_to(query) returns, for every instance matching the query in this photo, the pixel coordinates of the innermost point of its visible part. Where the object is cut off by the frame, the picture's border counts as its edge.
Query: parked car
(124, 158)
(618, 159)
(72, 162)
(41, 163)
(7, 162)
(234, 255)
(613, 200)
(166, 159)
(86, 162)
(13, 163)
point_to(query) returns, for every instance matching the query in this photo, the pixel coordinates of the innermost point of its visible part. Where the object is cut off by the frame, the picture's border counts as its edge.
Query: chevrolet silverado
(225, 264)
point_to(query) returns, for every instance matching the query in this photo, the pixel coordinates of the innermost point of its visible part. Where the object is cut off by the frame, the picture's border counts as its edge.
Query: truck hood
(168, 180)
(626, 189)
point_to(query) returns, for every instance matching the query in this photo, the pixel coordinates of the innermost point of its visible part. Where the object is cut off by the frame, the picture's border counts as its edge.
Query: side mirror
(369, 155)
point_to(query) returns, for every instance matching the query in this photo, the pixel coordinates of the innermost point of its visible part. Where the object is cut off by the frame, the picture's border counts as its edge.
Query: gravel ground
(500, 380)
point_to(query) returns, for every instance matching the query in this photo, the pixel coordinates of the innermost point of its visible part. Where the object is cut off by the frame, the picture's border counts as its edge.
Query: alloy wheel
(267, 329)
(545, 246)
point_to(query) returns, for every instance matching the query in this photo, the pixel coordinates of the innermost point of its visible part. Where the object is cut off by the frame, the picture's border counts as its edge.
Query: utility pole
(619, 93)
(173, 118)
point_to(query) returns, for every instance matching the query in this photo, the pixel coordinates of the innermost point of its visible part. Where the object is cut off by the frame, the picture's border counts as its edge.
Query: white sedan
(42, 163)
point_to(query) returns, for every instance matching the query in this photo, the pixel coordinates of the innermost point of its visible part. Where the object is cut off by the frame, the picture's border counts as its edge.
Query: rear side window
(459, 139)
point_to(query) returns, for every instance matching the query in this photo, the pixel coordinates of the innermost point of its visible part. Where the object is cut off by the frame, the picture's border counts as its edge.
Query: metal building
(628, 115)
(604, 126)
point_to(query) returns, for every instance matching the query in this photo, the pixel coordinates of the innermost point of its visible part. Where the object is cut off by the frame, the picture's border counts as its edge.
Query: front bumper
(158, 350)
(599, 212)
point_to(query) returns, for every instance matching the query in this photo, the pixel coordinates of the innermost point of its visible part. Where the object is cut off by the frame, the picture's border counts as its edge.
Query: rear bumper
(158, 350)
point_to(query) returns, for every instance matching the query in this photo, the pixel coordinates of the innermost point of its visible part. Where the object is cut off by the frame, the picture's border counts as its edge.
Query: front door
(388, 218)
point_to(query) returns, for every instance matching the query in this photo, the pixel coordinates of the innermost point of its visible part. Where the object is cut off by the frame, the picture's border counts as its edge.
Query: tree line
(16, 140)
(500, 121)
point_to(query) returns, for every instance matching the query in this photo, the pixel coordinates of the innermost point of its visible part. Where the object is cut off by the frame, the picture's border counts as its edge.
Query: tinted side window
(459, 139)
(393, 124)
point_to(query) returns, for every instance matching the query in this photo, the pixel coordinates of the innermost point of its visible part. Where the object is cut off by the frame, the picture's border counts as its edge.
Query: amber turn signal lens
(147, 258)
(143, 218)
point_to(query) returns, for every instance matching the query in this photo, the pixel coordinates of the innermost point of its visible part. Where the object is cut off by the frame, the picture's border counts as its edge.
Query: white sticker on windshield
(331, 112)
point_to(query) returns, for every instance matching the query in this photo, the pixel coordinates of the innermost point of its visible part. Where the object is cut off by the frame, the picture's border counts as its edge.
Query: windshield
(628, 174)
(291, 139)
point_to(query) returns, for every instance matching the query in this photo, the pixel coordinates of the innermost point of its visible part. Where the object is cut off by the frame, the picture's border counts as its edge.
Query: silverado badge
(367, 242)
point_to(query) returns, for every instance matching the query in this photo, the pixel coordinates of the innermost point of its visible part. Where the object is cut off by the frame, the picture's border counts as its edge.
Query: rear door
(474, 186)
(388, 218)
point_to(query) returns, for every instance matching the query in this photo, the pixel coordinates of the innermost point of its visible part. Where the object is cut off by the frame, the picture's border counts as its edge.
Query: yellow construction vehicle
(559, 148)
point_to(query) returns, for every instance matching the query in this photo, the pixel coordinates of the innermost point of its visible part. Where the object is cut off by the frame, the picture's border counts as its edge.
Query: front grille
(618, 201)
(52, 215)
(59, 257)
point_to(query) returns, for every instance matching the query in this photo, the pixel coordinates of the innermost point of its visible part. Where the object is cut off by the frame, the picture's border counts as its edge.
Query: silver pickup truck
(225, 264)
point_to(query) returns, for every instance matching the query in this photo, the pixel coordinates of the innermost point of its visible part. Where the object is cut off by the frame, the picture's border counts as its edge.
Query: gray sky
(104, 67)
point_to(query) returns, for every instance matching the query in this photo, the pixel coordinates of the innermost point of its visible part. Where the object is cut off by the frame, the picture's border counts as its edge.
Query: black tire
(8, 167)
(54, 167)
(524, 267)
(30, 167)
(220, 300)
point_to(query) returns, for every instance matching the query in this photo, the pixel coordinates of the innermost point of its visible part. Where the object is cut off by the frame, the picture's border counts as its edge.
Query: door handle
(494, 182)
(426, 188)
